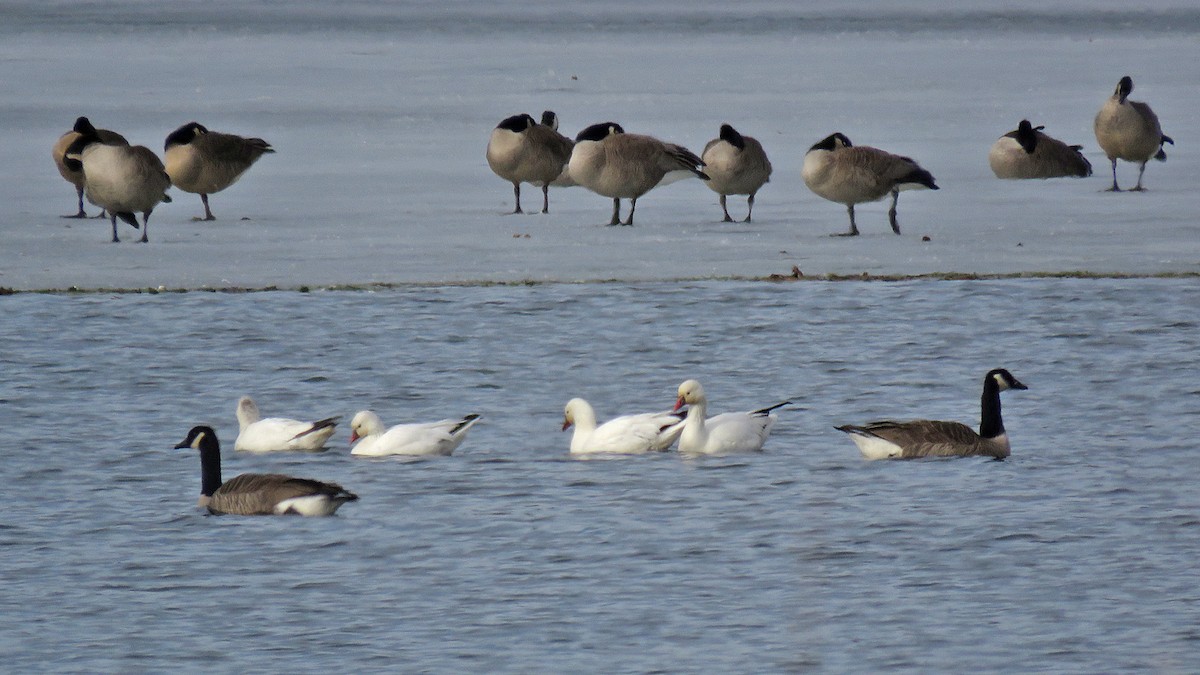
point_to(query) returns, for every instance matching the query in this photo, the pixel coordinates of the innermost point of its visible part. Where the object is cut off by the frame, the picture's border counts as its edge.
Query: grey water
(1076, 554)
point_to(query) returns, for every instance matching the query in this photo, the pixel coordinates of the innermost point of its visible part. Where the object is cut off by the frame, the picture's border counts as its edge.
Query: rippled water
(1078, 553)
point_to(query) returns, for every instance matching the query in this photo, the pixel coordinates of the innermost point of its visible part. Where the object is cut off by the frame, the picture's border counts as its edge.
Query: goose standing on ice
(1028, 153)
(522, 151)
(612, 163)
(259, 494)
(431, 438)
(121, 179)
(1129, 130)
(75, 176)
(842, 172)
(624, 435)
(203, 162)
(736, 165)
(933, 438)
(256, 434)
(722, 434)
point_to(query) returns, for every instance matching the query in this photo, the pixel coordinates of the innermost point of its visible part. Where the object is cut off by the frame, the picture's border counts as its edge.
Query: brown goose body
(1129, 130)
(1028, 153)
(520, 150)
(736, 165)
(75, 176)
(203, 162)
(123, 180)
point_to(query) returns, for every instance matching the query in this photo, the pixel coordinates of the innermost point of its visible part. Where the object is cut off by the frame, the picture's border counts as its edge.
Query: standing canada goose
(624, 435)
(736, 165)
(721, 434)
(75, 176)
(612, 163)
(1029, 153)
(522, 151)
(259, 494)
(256, 434)
(203, 162)
(1129, 130)
(932, 438)
(120, 179)
(430, 438)
(841, 172)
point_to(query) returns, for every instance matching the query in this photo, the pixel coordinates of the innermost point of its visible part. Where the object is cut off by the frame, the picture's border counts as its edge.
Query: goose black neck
(210, 468)
(991, 424)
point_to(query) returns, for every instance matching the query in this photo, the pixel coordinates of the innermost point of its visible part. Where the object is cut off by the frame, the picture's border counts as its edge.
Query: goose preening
(848, 174)
(1026, 152)
(624, 435)
(121, 179)
(722, 434)
(75, 176)
(612, 163)
(736, 165)
(431, 438)
(259, 494)
(1129, 130)
(203, 162)
(932, 438)
(520, 150)
(256, 434)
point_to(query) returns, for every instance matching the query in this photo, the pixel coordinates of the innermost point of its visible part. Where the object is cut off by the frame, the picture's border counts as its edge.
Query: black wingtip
(128, 217)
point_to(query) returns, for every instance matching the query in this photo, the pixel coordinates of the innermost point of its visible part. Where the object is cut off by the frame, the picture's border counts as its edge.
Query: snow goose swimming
(522, 151)
(1028, 153)
(736, 165)
(431, 438)
(203, 162)
(75, 176)
(625, 435)
(120, 179)
(933, 438)
(256, 434)
(1129, 130)
(839, 171)
(722, 434)
(612, 163)
(259, 494)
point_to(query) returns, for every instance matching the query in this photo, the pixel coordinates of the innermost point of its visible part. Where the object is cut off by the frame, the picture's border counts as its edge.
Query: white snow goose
(430, 438)
(722, 434)
(256, 434)
(624, 435)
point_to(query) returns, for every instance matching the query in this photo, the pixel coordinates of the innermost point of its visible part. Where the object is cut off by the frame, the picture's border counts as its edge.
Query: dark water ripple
(1076, 554)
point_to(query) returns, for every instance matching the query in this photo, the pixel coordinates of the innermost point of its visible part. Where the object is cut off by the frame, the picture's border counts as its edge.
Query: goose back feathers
(1026, 152)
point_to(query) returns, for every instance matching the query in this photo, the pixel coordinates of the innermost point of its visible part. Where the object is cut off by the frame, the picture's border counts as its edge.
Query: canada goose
(203, 162)
(256, 434)
(610, 162)
(931, 438)
(259, 494)
(522, 151)
(431, 438)
(720, 434)
(624, 435)
(1029, 153)
(841, 172)
(1129, 130)
(120, 179)
(75, 176)
(736, 165)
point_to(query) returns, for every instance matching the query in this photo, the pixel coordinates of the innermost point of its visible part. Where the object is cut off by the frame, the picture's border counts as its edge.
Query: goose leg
(546, 198)
(114, 226)
(749, 207)
(727, 218)
(1138, 187)
(892, 212)
(616, 216)
(81, 213)
(853, 228)
(632, 208)
(207, 212)
(1114, 188)
(517, 195)
(145, 227)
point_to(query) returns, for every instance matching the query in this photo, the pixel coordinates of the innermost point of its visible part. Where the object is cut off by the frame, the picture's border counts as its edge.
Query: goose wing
(258, 493)
(926, 438)
(633, 434)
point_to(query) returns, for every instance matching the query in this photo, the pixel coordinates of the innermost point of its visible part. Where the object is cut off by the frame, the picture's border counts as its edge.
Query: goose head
(550, 119)
(578, 411)
(517, 123)
(185, 134)
(1004, 380)
(732, 137)
(599, 132)
(84, 126)
(690, 393)
(73, 157)
(247, 412)
(1124, 88)
(200, 438)
(1026, 135)
(365, 423)
(834, 141)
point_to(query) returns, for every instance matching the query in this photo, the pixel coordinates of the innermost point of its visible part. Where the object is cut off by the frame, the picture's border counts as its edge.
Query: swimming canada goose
(624, 435)
(120, 179)
(736, 165)
(842, 172)
(720, 434)
(430, 438)
(932, 438)
(1029, 153)
(203, 162)
(1129, 130)
(259, 494)
(75, 177)
(522, 151)
(256, 434)
(612, 163)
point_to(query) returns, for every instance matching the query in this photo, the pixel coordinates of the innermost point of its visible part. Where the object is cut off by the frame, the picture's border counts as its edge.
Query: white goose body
(430, 438)
(724, 434)
(624, 435)
(272, 434)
